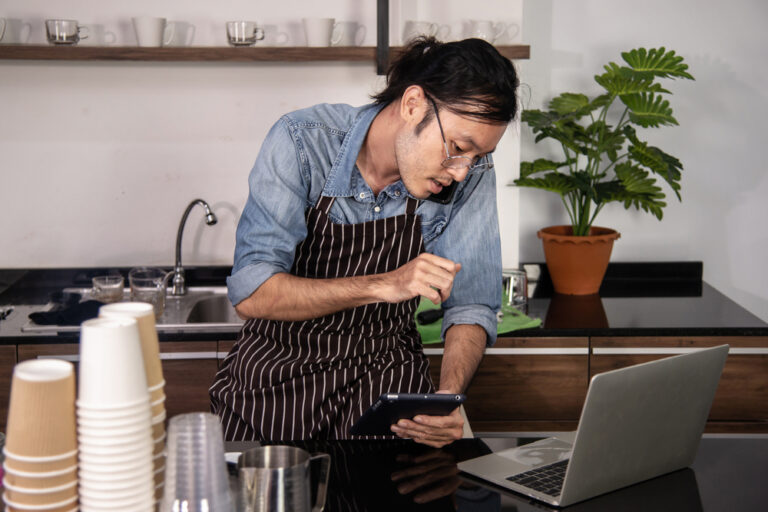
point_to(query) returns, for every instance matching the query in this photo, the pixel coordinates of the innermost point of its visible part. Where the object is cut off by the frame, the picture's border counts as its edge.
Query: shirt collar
(340, 182)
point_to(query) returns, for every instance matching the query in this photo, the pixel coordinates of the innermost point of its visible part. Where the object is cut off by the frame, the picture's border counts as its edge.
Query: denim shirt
(312, 152)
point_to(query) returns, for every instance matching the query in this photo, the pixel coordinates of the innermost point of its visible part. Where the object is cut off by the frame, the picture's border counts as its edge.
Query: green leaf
(648, 110)
(537, 119)
(569, 103)
(638, 190)
(539, 165)
(622, 81)
(666, 166)
(657, 62)
(553, 181)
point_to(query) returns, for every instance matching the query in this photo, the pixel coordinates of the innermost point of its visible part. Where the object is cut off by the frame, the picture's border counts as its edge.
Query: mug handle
(499, 30)
(282, 38)
(512, 30)
(336, 34)
(110, 37)
(83, 27)
(360, 35)
(443, 32)
(168, 35)
(2, 30)
(323, 472)
(259, 34)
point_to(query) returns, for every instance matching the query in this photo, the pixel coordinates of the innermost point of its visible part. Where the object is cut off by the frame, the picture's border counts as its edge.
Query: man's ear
(413, 104)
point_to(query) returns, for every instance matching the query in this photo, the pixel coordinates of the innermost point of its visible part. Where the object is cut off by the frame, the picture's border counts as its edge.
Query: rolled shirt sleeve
(272, 222)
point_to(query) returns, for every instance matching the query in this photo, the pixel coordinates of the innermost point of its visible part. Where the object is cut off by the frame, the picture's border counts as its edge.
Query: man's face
(419, 157)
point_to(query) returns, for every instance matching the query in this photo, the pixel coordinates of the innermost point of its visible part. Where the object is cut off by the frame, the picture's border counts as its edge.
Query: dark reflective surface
(728, 474)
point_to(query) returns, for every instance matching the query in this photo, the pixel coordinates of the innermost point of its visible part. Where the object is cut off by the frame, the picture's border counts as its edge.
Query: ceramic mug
(350, 33)
(152, 32)
(100, 36)
(183, 34)
(321, 31)
(14, 31)
(415, 29)
(493, 32)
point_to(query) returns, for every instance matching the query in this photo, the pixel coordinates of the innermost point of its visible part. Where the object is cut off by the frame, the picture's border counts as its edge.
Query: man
(353, 215)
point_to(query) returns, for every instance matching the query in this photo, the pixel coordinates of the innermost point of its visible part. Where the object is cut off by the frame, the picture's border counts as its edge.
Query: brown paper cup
(41, 413)
(150, 346)
(67, 505)
(31, 496)
(39, 466)
(40, 480)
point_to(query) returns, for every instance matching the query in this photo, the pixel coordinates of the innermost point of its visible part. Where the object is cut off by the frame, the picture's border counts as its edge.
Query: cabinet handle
(673, 350)
(550, 351)
(164, 356)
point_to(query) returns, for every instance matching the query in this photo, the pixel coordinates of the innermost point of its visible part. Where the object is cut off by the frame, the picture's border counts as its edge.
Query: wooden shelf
(212, 54)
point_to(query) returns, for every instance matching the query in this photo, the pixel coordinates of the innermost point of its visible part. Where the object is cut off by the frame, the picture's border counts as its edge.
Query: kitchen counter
(727, 474)
(636, 299)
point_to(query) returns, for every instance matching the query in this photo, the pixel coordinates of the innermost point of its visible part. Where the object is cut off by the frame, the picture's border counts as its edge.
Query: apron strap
(324, 204)
(411, 204)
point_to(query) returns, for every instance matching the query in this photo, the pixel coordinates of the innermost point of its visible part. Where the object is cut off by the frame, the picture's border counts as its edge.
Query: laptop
(637, 423)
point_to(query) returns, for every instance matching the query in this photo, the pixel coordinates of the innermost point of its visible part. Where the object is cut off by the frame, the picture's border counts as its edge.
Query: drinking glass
(149, 285)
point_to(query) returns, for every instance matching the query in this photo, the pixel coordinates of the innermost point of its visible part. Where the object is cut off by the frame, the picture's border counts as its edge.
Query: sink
(213, 310)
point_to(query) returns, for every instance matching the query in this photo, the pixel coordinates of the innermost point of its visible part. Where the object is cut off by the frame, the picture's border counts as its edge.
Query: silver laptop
(637, 423)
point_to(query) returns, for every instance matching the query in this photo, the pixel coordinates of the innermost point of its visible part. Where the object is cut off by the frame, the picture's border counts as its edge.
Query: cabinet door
(7, 362)
(741, 400)
(525, 384)
(188, 369)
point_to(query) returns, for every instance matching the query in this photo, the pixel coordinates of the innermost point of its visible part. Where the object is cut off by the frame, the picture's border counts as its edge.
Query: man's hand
(428, 476)
(434, 431)
(426, 275)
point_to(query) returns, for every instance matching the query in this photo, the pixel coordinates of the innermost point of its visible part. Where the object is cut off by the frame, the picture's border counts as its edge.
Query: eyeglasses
(459, 162)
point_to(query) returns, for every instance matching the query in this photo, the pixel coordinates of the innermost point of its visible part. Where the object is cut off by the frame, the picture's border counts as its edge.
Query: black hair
(469, 78)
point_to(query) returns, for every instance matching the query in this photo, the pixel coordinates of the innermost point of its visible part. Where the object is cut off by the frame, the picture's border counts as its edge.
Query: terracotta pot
(577, 264)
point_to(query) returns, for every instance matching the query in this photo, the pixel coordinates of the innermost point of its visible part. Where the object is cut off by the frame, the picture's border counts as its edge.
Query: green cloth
(512, 320)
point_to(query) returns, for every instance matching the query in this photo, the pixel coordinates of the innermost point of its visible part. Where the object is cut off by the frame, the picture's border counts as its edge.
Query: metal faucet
(179, 286)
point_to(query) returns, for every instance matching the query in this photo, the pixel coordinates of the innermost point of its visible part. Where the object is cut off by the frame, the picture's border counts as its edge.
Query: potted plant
(604, 160)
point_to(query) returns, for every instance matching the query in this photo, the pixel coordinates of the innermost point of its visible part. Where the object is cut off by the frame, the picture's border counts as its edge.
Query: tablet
(391, 407)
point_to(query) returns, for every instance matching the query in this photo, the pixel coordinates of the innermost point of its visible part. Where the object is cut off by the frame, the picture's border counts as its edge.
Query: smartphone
(446, 195)
(391, 407)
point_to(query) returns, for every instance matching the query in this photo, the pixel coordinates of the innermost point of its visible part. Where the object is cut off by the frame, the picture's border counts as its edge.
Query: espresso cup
(348, 33)
(14, 31)
(243, 33)
(320, 31)
(64, 31)
(152, 32)
(98, 35)
(515, 286)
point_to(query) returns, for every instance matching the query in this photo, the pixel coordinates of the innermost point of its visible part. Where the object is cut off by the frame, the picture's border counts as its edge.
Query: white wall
(99, 159)
(721, 138)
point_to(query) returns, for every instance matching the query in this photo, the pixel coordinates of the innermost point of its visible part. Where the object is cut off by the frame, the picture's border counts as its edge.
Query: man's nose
(458, 174)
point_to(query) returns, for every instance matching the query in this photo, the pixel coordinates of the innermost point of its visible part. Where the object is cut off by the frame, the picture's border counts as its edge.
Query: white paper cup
(111, 364)
(113, 413)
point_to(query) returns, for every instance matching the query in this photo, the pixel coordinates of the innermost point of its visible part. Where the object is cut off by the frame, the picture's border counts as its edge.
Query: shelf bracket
(382, 36)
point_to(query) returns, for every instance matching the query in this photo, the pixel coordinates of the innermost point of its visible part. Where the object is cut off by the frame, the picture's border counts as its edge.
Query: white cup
(414, 29)
(320, 31)
(273, 36)
(493, 32)
(183, 34)
(111, 364)
(350, 33)
(243, 33)
(152, 32)
(14, 31)
(99, 36)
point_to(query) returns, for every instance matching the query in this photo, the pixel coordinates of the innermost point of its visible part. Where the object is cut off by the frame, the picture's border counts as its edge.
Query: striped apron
(313, 379)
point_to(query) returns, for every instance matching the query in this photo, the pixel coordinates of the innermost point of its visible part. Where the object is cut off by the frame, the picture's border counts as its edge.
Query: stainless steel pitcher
(279, 478)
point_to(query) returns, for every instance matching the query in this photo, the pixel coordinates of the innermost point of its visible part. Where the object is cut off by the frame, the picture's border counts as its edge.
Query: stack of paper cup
(41, 445)
(114, 424)
(144, 315)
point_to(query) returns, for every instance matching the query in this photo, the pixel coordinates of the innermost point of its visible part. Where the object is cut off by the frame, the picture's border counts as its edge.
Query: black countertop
(727, 474)
(636, 299)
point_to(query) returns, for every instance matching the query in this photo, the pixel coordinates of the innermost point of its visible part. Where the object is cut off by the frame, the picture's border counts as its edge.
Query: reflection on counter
(575, 312)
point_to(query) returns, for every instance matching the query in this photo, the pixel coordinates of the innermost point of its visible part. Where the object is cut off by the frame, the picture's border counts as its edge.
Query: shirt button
(377, 209)
(397, 193)
(362, 195)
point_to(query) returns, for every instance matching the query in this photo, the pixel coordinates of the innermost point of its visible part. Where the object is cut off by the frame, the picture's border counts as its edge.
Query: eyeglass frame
(477, 164)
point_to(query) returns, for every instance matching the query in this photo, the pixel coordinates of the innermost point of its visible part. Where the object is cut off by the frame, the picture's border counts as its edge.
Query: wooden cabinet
(7, 362)
(525, 384)
(188, 368)
(741, 400)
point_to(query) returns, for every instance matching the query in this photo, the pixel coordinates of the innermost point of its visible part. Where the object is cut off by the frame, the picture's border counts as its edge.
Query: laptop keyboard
(546, 479)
